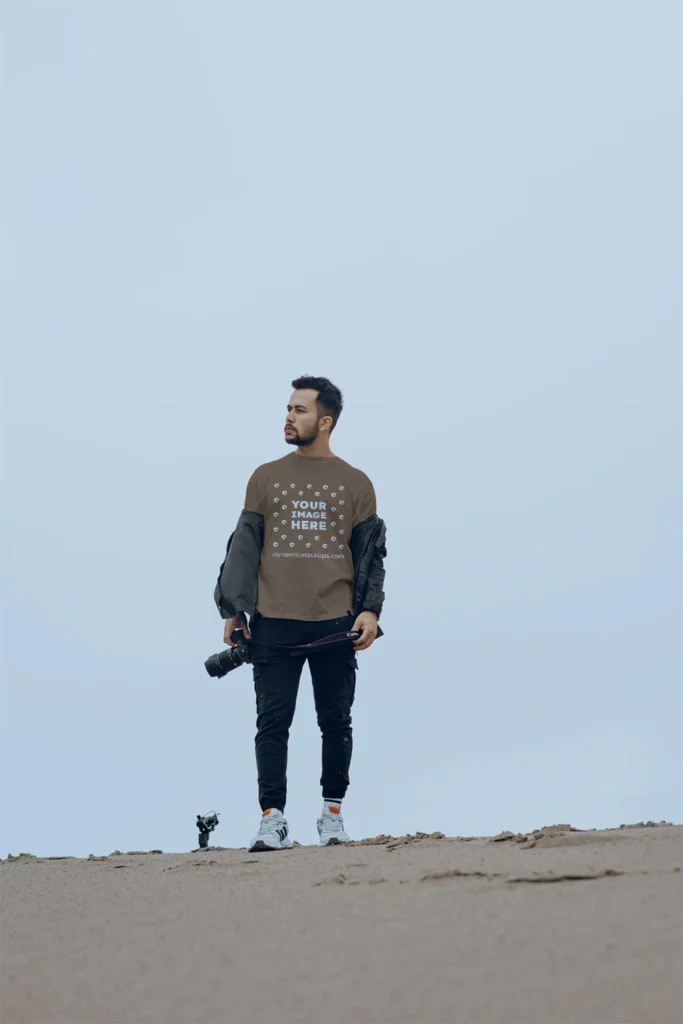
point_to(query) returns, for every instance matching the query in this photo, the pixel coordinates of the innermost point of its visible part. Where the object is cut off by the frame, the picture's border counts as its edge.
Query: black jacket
(237, 586)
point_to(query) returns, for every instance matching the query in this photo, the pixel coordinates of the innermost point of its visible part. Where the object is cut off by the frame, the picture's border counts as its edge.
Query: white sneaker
(331, 828)
(273, 833)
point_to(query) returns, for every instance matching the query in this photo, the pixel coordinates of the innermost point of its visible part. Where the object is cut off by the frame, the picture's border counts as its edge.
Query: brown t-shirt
(309, 508)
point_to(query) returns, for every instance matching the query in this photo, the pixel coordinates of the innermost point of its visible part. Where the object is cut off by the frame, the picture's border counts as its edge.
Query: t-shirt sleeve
(366, 502)
(253, 501)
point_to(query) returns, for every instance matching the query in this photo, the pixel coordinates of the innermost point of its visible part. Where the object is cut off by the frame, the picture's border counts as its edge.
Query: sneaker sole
(261, 847)
(334, 842)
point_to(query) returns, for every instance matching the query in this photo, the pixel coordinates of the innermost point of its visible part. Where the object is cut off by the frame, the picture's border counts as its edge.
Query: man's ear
(326, 423)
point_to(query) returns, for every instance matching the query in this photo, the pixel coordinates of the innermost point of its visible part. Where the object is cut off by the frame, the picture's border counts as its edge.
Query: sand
(560, 927)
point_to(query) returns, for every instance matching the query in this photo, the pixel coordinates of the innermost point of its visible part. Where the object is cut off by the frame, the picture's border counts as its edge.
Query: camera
(218, 665)
(206, 823)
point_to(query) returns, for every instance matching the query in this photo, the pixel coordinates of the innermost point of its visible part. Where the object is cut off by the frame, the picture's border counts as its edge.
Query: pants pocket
(258, 668)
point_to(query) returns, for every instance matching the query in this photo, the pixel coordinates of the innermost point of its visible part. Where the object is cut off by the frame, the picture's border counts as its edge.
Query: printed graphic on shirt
(310, 519)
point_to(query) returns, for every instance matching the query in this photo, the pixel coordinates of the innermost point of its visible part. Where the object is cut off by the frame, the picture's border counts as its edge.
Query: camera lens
(218, 665)
(213, 666)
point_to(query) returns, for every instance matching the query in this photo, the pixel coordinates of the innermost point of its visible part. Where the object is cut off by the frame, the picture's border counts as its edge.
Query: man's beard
(304, 442)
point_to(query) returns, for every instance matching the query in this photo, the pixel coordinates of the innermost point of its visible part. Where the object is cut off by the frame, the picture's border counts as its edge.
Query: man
(305, 562)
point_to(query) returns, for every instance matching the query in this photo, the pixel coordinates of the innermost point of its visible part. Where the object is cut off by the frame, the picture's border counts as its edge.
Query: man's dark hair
(330, 400)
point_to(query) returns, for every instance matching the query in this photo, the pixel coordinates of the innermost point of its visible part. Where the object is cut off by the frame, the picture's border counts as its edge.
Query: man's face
(302, 425)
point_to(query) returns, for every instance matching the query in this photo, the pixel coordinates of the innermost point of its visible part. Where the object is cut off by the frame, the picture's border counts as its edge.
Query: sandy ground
(561, 927)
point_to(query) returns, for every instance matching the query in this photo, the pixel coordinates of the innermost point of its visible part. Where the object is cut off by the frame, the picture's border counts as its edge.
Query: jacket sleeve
(368, 550)
(237, 586)
(374, 591)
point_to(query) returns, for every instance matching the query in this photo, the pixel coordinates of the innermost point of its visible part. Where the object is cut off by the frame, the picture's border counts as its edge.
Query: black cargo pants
(276, 681)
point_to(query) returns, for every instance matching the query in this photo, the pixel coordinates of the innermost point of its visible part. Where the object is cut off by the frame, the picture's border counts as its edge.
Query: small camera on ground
(206, 823)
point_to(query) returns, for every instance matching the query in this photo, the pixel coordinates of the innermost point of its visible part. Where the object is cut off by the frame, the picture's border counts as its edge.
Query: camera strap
(301, 650)
(325, 642)
(333, 640)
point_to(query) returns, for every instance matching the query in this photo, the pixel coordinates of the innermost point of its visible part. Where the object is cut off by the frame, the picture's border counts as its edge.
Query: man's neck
(320, 449)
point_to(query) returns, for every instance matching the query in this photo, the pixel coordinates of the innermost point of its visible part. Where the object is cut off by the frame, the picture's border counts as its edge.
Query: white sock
(332, 806)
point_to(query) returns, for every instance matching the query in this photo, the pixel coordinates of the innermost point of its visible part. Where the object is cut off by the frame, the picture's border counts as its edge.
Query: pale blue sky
(469, 216)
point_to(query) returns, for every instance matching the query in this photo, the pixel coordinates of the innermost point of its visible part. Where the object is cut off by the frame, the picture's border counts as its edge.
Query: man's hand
(236, 622)
(367, 622)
